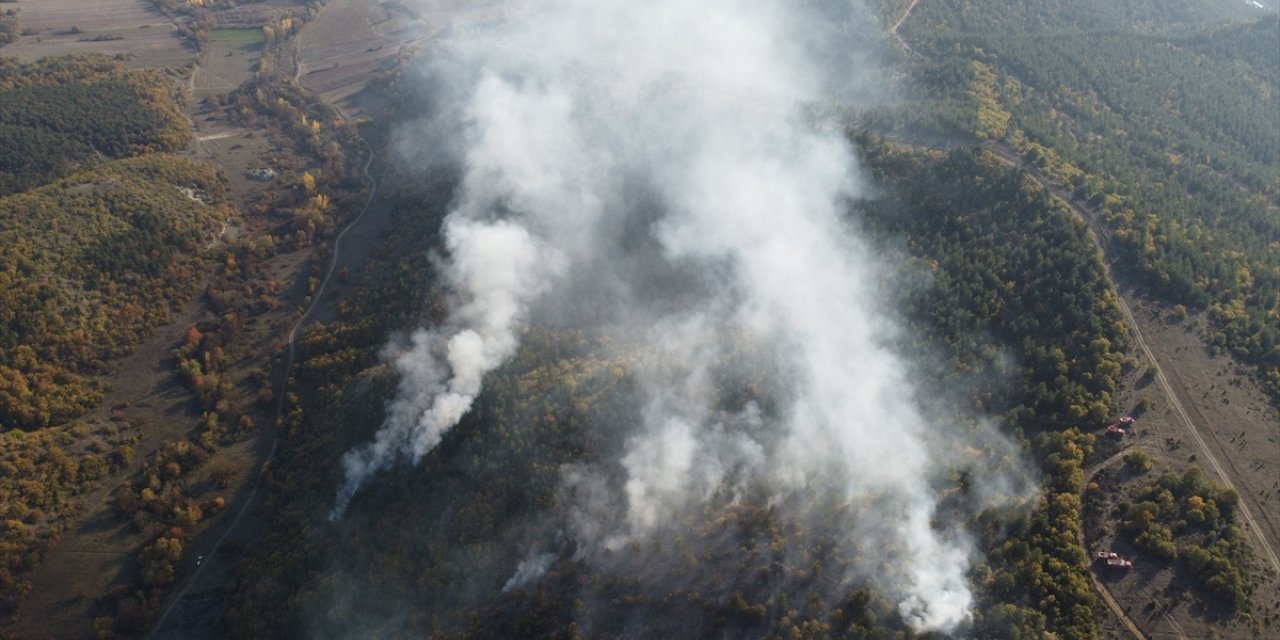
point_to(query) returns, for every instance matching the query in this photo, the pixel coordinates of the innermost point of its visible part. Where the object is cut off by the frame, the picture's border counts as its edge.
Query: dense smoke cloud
(653, 168)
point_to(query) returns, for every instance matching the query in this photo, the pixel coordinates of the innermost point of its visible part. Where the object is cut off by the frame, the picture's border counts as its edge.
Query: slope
(61, 113)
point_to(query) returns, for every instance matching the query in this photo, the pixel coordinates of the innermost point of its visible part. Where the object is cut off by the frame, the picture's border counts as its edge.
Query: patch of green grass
(236, 36)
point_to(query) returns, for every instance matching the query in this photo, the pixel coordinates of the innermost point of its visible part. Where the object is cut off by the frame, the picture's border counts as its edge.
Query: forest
(1039, 17)
(1183, 518)
(90, 264)
(441, 533)
(1168, 130)
(60, 114)
(1003, 290)
(101, 237)
(1160, 116)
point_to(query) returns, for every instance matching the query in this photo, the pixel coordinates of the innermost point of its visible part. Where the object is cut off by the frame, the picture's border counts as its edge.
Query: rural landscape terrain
(609, 318)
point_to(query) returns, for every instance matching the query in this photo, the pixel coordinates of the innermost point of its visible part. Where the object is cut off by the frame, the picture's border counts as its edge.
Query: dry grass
(111, 27)
(350, 39)
(229, 58)
(1241, 430)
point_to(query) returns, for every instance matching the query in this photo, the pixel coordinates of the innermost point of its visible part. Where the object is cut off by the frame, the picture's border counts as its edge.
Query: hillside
(1170, 135)
(652, 343)
(90, 264)
(101, 239)
(1014, 17)
(59, 114)
(1161, 136)
(449, 532)
(1009, 315)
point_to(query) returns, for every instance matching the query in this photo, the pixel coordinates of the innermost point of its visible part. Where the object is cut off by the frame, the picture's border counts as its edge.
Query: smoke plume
(655, 169)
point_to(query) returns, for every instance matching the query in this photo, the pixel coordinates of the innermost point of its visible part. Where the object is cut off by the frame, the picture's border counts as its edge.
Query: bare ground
(341, 48)
(100, 550)
(225, 62)
(92, 555)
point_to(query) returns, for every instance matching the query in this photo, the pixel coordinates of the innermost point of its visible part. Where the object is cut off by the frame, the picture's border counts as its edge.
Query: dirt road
(903, 18)
(212, 558)
(1098, 586)
(1093, 219)
(1163, 380)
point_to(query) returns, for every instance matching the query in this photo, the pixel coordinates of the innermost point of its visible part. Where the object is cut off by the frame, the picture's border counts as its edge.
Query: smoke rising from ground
(653, 166)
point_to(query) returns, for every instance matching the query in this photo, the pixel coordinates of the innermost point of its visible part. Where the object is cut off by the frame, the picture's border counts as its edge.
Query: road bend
(1264, 546)
(210, 553)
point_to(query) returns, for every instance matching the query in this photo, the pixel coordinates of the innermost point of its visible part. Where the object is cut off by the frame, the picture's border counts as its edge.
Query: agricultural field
(132, 27)
(349, 40)
(230, 57)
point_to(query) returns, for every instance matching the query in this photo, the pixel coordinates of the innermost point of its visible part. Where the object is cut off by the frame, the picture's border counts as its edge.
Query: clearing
(1203, 409)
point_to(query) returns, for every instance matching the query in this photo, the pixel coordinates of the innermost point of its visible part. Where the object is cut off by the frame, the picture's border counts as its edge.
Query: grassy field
(347, 41)
(245, 37)
(60, 27)
(229, 58)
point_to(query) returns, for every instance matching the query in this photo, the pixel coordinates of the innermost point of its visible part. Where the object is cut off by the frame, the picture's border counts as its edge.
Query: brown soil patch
(1229, 409)
(100, 550)
(92, 555)
(228, 59)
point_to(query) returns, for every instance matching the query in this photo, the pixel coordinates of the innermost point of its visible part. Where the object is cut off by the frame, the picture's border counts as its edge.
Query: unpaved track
(903, 18)
(1091, 218)
(1163, 381)
(1103, 590)
(211, 554)
(893, 30)
(1098, 586)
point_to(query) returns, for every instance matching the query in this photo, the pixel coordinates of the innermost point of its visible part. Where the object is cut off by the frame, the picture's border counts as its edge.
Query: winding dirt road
(1093, 220)
(1098, 585)
(210, 554)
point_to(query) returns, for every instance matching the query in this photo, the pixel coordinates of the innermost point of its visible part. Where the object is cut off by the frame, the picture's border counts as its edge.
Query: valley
(1049, 248)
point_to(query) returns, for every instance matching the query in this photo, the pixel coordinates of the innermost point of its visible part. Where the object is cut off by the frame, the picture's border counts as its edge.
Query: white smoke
(594, 129)
(497, 268)
(530, 570)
